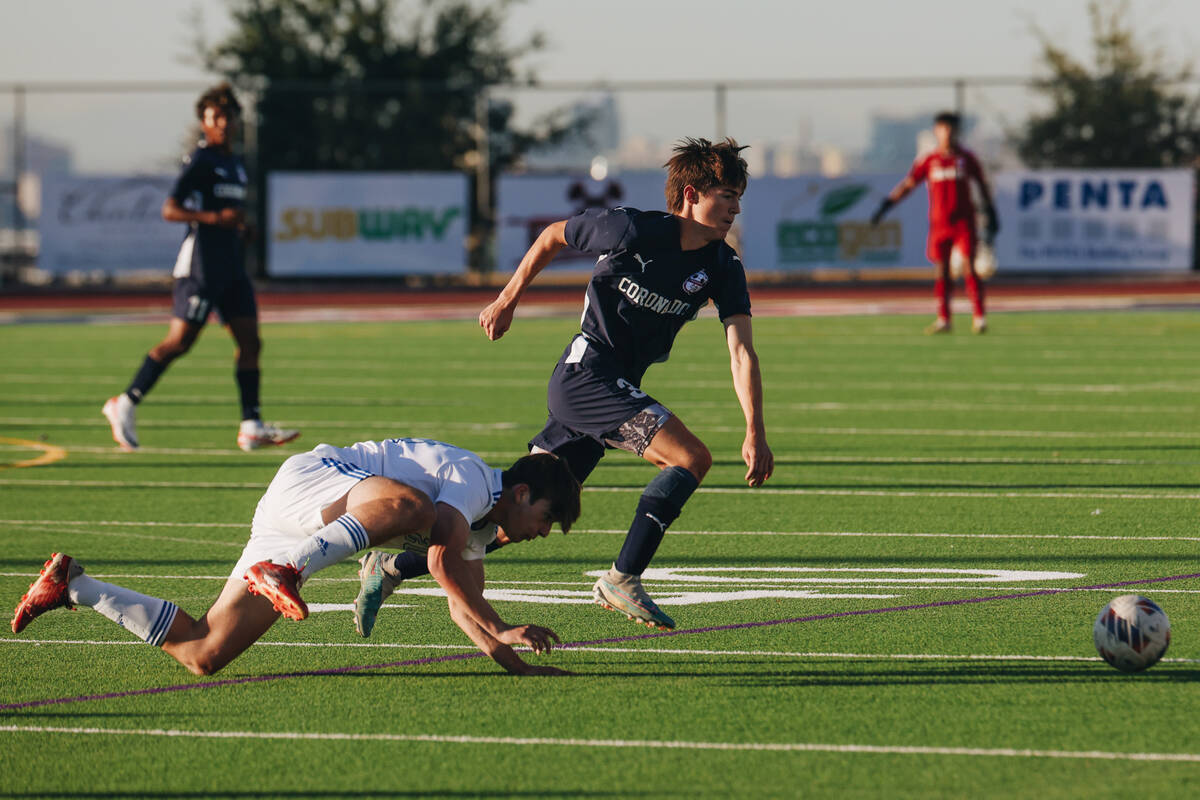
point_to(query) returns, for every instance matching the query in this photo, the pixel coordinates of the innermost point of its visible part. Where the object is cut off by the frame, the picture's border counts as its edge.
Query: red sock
(941, 290)
(975, 290)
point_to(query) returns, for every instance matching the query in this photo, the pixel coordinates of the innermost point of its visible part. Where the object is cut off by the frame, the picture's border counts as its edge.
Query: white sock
(337, 541)
(147, 618)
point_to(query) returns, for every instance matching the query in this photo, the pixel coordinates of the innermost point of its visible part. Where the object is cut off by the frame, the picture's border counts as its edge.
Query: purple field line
(417, 662)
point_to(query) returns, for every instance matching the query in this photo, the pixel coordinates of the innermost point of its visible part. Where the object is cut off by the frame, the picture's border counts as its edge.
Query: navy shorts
(589, 398)
(194, 300)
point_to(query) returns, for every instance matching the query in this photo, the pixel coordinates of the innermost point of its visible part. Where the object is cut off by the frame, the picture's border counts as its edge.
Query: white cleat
(254, 433)
(979, 325)
(939, 325)
(120, 413)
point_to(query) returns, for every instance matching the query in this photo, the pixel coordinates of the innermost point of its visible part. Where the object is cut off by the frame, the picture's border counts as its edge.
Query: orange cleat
(47, 592)
(279, 583)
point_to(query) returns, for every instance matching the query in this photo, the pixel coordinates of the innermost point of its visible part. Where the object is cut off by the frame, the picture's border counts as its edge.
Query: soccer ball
(1132, 633)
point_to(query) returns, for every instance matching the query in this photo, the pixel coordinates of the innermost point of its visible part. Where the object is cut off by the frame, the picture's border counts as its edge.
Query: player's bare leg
(119, 410)
(374, 511)
(684, 461)
(253, 433)
(236, 620)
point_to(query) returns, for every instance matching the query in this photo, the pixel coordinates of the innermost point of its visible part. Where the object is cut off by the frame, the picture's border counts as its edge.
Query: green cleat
(624, 593)
(375, 586)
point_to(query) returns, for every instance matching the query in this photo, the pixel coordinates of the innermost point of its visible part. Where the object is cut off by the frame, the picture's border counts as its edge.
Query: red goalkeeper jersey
(949, 189)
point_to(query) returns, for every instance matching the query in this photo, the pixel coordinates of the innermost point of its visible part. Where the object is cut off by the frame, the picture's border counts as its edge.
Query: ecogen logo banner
(812, 222)
(355, 224)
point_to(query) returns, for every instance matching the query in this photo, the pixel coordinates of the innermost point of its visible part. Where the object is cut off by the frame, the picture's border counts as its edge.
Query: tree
(378, 84)
(1125, 111)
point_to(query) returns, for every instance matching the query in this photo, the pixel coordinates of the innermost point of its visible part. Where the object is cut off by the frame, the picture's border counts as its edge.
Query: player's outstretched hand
(496, 319)
(533, 669)
(760, 461)
(535, 637)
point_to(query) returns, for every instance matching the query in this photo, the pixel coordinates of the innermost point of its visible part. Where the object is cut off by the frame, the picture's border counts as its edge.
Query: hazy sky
(139, 40)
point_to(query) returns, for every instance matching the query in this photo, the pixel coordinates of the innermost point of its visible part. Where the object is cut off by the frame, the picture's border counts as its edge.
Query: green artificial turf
(911, 470)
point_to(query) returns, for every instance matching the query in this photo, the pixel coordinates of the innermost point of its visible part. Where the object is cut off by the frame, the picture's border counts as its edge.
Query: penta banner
(812, 222)
(1096, 220)
(526, 204)
(343, 224)
(110, 223)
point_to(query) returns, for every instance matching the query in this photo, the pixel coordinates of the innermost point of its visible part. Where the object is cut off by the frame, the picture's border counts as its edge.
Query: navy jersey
(211, 180)
(645, 287)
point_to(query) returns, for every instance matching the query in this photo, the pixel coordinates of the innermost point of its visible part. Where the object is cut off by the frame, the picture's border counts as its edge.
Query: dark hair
(704, 165)
(547, 476)
(220, 96)
(947, 118)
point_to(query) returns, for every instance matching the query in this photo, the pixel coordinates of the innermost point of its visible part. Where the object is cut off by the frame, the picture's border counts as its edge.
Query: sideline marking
(622, 531)
(760, 491)
(785, 747)
(50, 453)
(660, 650)
(183, 687)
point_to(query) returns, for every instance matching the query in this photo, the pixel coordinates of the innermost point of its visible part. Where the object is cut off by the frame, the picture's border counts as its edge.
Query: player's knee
(699, 461)
(204, 663)
(251, 348)
(171, 349)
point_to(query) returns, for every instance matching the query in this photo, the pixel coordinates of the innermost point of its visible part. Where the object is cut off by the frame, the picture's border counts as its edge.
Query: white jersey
(445, 473)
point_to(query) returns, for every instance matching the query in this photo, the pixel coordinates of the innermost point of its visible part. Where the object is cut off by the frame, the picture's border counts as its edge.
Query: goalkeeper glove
(993, 225)
(884, 205)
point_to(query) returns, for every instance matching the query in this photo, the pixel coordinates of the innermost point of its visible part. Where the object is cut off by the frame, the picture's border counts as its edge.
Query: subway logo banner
(348, 224)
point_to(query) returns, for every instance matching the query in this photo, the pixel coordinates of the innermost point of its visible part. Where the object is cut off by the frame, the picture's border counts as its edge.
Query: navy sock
(248, 381)
(406, 564)
(661, 504)
(145, 378)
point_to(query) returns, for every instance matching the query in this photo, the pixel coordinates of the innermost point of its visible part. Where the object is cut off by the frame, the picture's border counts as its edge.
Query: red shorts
(945, 238)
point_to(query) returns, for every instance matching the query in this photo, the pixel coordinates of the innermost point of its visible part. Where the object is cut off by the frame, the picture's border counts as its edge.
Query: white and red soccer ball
(1132, 633)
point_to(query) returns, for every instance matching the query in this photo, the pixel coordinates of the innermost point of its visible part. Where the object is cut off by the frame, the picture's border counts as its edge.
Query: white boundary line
(639, 744)
(657, 650)
(761, 491)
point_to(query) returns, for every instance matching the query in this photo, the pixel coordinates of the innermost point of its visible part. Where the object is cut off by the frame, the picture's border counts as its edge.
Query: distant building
(895, 141)
(599, 134)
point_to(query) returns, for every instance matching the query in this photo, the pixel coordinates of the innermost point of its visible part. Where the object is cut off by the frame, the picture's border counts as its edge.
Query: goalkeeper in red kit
(949, 170)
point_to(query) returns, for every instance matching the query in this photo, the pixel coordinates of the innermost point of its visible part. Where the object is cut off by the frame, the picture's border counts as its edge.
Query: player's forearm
(496, 650)
(537, 258)
(455, 578)
(173, 212)
(747, 384)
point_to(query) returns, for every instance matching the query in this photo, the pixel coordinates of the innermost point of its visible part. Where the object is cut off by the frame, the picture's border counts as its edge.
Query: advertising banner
(812, 222)
(344, 224)
(109, 223)
(528, 203)
(1096, 220)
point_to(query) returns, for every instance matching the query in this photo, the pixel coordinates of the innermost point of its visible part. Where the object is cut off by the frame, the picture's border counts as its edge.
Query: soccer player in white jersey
(324, 506)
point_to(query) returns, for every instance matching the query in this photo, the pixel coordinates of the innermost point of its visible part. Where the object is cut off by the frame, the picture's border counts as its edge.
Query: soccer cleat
(623, 593)
(979, 325)
(940, 325)
(375, 585)
(48, 591)
(120, 413)
(254, 433)
(279, 583)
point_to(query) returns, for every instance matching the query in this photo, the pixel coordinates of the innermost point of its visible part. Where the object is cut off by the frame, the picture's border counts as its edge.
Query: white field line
(974, 387)
(982, 433)
(675, 651)
(111, 450)
(759, 492)
(635, 744)
(50, 523)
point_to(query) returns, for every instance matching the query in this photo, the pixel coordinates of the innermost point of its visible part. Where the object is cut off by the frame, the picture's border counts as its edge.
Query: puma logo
(642, 261)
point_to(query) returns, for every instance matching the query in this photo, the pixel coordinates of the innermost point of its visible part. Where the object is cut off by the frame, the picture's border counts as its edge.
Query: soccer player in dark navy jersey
(654, 272)
(210, 274)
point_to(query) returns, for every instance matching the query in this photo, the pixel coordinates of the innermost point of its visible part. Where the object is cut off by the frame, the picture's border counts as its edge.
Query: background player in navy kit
(654, 272)
(210, 274)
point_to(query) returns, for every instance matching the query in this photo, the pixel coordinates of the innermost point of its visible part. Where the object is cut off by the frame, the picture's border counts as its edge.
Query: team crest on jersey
(695, 282)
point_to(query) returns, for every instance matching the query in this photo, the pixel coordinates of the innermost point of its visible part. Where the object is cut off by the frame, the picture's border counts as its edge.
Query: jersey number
(197, 309)
(629, 387)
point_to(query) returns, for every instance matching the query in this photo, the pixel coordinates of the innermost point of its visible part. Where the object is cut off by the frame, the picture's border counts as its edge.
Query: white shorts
(290, 511)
